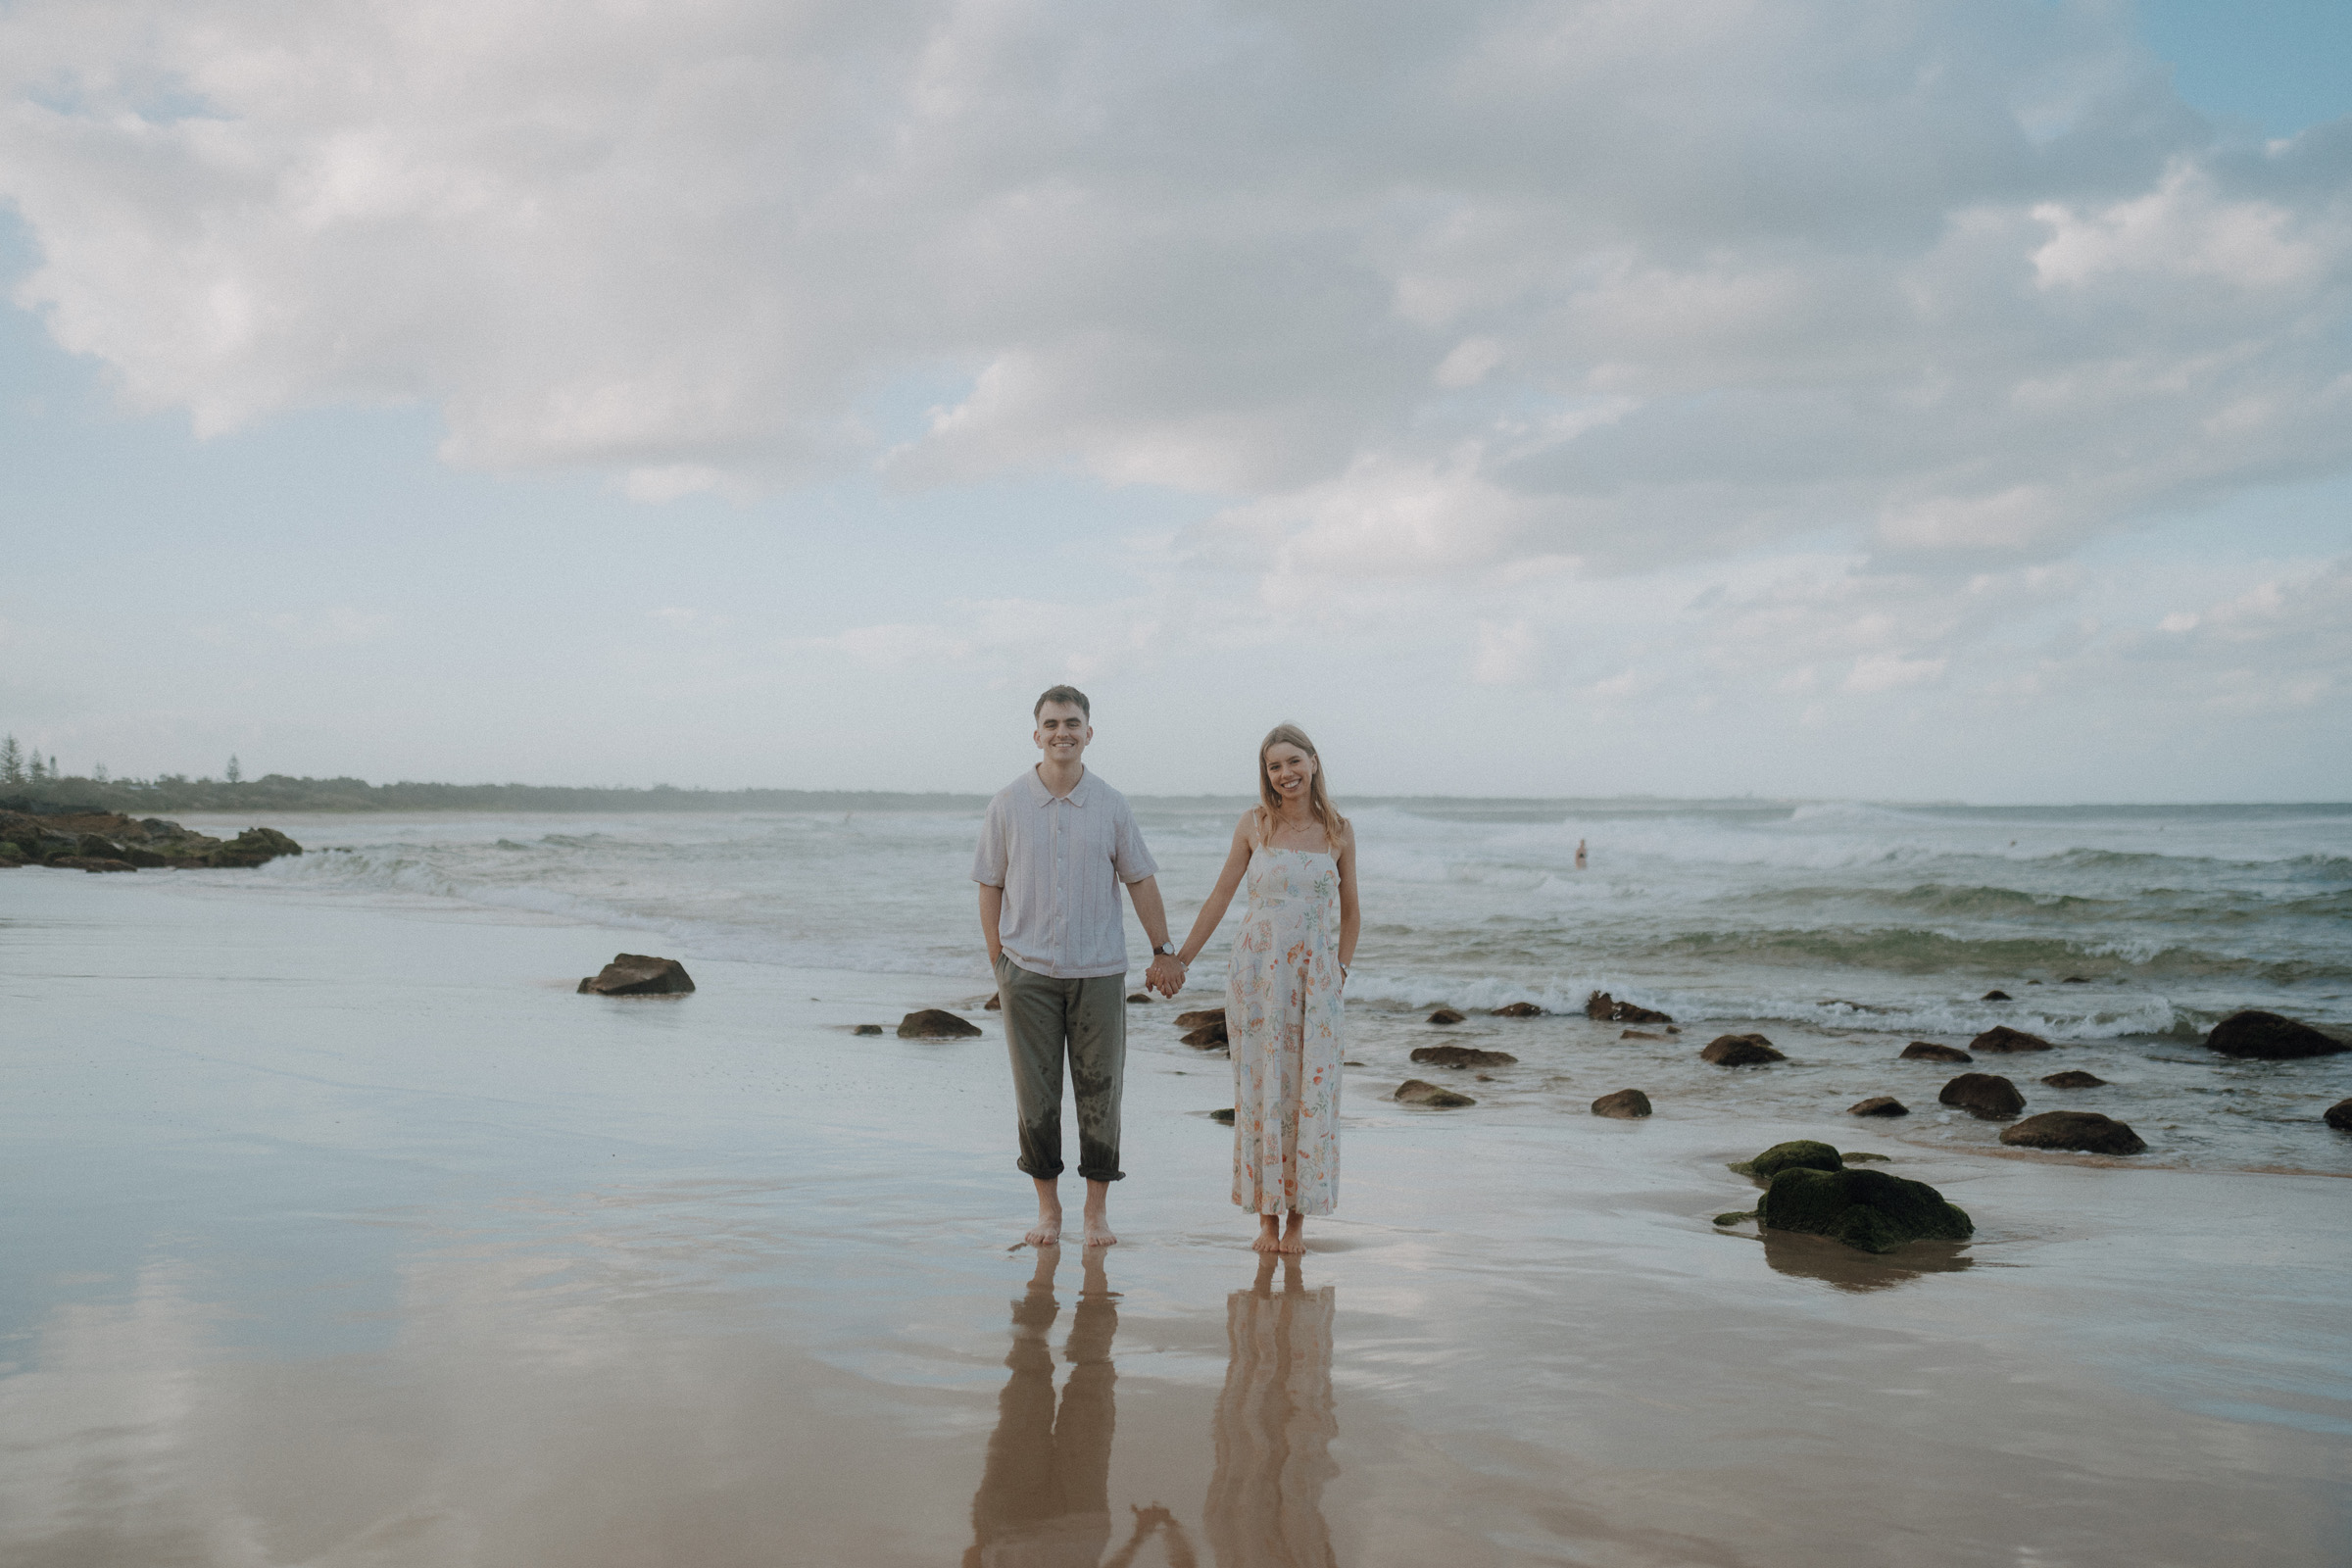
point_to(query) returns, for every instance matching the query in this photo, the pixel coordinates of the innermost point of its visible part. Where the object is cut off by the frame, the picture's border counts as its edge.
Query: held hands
(1165, 977)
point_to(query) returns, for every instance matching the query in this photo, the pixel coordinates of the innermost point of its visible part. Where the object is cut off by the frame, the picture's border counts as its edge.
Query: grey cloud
(1964, 277)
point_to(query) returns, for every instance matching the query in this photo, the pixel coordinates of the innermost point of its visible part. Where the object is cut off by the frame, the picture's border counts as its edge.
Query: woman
(1282, 996)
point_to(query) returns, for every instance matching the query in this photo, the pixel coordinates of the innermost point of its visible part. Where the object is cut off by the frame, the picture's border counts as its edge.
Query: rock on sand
(2339, 1116)
(1627, 1103)
(1203, 1016)
(1983, 1094)
(1208, 1037)
(637, 974)
(1867, 1209)
(1739, 1050)
(1926, 1050)
(935, 1023)
(2085, 1130)
(2255, 1033)
(1416, 1092)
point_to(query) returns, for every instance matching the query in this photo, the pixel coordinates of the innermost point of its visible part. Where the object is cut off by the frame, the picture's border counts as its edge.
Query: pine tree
(235, 772)
(35, 773)
(12, 761)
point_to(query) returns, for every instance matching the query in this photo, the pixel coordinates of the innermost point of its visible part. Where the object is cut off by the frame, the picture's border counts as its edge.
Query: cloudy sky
(1884, 399)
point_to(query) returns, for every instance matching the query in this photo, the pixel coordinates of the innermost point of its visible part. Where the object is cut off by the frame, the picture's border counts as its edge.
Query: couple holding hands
(1054, 849)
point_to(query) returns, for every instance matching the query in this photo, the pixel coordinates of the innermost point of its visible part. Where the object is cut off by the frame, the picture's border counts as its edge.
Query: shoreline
(480, 1267)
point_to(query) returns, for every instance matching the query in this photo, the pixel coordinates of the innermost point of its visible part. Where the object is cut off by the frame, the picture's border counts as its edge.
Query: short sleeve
(1128, 855)
(988, 864)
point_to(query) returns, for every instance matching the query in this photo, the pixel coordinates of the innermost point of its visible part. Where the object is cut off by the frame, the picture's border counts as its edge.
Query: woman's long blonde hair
(1318, 798)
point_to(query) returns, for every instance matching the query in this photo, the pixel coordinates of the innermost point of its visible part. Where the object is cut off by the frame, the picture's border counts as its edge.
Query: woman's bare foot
(1269, 1235)
(1294, 1235)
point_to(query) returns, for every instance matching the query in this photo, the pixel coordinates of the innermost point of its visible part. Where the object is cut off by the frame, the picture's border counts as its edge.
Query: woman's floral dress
(1282, 1018)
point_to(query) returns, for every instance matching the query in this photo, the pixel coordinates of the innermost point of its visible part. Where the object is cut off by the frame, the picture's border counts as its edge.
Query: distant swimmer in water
(1580, 855)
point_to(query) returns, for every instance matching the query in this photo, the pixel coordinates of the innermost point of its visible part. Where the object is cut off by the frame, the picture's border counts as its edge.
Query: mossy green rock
(1867, 1209)
(1801, 1152)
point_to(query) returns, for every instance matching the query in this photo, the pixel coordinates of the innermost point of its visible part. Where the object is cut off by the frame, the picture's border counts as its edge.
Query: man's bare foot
(1294, 1235)
(1046, 1232)
(1269, 1235)
(1098, 1231)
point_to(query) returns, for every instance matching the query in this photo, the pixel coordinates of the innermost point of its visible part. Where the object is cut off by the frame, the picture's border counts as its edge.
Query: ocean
(1841, 931)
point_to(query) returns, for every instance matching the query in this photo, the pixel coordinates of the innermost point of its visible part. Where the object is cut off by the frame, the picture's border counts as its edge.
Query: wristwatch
(1167, 949)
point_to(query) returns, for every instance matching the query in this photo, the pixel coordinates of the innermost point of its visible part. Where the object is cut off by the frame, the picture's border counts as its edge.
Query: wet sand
(343, 1235)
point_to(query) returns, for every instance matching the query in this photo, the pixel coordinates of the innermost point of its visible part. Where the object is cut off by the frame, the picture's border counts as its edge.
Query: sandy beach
(346, 1235)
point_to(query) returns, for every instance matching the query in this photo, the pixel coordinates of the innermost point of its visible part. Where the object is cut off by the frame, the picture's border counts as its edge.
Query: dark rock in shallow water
(255, 847)
(1606, 1008)
(1208, 1037)
(1461, 1056)
(1994, 996)
(2085, 1130)
(2075, 1079)
(2339, 1116)
(1868, 1209)
(1986, 1096)
(1925, 1051)
(1518, 1010)
(2073, 980)
(2001, 1037)
(995, 1003)
(89, 862)
(1139, 997)
(1739, 1050)
(1445, 1015)
(1627, 1103)
(1879, 1105)
(1204, 1015)
(935, 1023)
(1639, 1034)
(1416, 1092)
(1223, 1116)
(2267, 1036)
(1796, 1151)
(635, 974)
(867, 1029)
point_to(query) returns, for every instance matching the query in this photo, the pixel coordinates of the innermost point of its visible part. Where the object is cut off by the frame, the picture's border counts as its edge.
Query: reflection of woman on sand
(1283, 1000)
(1274, 1427)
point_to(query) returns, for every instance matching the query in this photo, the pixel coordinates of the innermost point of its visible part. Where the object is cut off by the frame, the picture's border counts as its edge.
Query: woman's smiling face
(1289, 768)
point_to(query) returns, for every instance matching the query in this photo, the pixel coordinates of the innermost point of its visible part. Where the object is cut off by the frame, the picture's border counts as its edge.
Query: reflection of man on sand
(1274, 1427)
(1043, 1499)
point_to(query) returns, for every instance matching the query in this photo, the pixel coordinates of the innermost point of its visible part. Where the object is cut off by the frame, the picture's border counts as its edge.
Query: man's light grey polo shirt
(1060, 864)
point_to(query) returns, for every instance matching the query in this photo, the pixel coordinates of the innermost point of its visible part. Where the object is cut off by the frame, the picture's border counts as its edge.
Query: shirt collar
(1038, 795)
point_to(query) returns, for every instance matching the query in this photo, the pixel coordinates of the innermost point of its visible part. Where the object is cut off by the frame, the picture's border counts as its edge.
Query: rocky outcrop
(133, 843)
(1986, 1096)
(1445, 1015)
(2001, 1037)
(636, 974)
(2269, 1037)
(2084, 1130)
(1868, 1209)
(1517, 1010)
(1739, 1050)
(935, 1023)
(2339, 1116)
(1462, 1056)
(2075, 1079)
(1416, 1092)
(1928, 1050)
(1208, 1037)
(1605, 1009)
(1879, 1105)
(1627, 1105)
(1796, 1152)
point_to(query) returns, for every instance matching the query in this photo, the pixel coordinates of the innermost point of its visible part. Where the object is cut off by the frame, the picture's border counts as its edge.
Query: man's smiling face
(1062, 731)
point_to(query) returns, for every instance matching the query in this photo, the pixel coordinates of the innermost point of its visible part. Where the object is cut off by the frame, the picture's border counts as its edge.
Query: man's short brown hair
(1064, 693)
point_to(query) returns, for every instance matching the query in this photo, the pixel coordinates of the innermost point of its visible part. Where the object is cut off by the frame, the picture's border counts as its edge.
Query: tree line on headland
(35, 784)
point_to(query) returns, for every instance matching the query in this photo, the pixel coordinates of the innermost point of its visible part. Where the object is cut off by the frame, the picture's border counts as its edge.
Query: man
(1057, 843)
